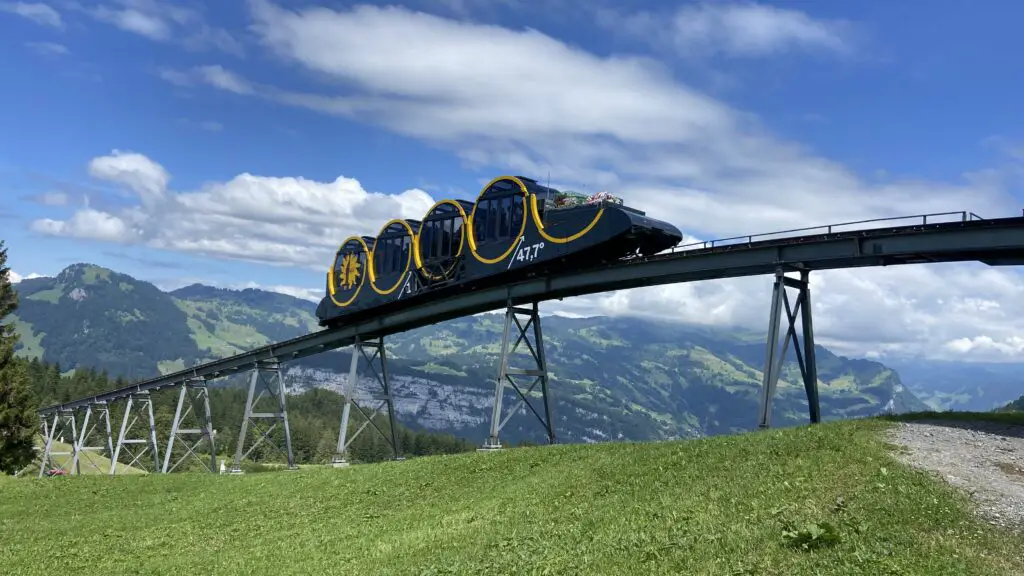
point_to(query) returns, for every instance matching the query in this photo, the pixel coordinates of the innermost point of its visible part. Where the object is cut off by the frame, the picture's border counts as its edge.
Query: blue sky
(179, 142)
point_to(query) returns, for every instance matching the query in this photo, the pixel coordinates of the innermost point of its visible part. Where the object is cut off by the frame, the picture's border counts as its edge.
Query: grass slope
(90, 462)
(712, 506)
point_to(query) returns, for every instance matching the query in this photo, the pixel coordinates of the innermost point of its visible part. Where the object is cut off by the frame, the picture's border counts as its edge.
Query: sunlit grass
(726, 505)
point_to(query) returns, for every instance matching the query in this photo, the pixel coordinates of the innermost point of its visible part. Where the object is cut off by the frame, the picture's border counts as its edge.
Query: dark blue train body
(514, 231)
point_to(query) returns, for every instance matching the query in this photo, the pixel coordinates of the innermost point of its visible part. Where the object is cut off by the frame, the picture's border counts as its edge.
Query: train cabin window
(390, 255)
(480, 220)
(380, 257)
(437, 246)
(338, 259)
(494, 219)
(441, 237)
(453, 228)
(505, 213)
(497, 219)
(445, 227)
(428, 238)
(499, 214)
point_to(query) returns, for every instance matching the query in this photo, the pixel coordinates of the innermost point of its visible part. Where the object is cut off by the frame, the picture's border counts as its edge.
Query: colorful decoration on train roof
(604, 196)
(569, 198)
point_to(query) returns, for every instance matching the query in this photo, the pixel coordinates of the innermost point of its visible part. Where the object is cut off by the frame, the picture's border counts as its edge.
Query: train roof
(536, 188)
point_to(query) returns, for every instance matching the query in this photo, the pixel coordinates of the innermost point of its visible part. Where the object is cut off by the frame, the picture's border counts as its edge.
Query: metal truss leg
(269, 375)
(774, 356)
(144, 405)
(195, 391)
(97, 414)
(506, 374)
(385, 398)
(63, 421)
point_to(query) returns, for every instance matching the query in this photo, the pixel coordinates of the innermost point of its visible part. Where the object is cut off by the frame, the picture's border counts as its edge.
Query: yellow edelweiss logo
(349, 270)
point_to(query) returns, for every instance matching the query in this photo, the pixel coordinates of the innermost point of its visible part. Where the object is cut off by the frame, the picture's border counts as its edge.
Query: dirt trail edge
(984, 458)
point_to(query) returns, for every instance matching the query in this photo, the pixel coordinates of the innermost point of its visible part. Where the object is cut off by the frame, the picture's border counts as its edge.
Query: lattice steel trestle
(382, 395)
(775, 355)
(507, 375)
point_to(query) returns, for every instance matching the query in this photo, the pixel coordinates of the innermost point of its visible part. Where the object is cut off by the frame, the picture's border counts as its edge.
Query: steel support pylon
(63, 422)
(97, 418)
(385, 398)
(775, 356)
(198, 397)
(142, 404)
(267, 376)
(506, 374)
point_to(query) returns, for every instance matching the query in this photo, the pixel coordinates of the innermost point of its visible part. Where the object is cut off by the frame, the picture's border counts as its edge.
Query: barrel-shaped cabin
(499, 220)
(442, 240)
(393, 255)
(348, 273)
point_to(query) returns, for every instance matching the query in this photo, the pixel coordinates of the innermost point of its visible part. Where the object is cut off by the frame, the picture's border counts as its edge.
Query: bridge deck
(997, 242)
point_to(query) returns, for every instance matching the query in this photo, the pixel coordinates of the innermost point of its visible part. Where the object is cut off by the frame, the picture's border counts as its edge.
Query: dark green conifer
(18, 419)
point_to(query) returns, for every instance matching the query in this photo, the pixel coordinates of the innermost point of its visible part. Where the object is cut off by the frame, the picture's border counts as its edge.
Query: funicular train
(515, 230)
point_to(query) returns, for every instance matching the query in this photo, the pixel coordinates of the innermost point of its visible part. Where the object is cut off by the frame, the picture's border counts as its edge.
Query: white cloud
(166, 22)
(16, 278)
(147, 178)
(35, 11)
(963, 311)
(522, 101)
(607, 122)
(276, 220)
(1009, 346)
(89, 224)
(48, 48)
(52, 198)
(744, 30)
(310, 294)
(467, 8)
(304, 293)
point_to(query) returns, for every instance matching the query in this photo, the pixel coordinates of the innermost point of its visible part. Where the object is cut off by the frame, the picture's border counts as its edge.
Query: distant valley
(970, 386)
(612, 378)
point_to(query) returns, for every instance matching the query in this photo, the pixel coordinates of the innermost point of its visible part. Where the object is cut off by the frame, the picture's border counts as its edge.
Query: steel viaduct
(931, 238)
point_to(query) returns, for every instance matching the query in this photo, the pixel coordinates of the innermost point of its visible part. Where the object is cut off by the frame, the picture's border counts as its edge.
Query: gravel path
(984, 458)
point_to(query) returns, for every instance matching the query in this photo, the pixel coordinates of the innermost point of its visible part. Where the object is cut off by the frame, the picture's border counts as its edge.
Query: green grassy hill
(823, 500)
